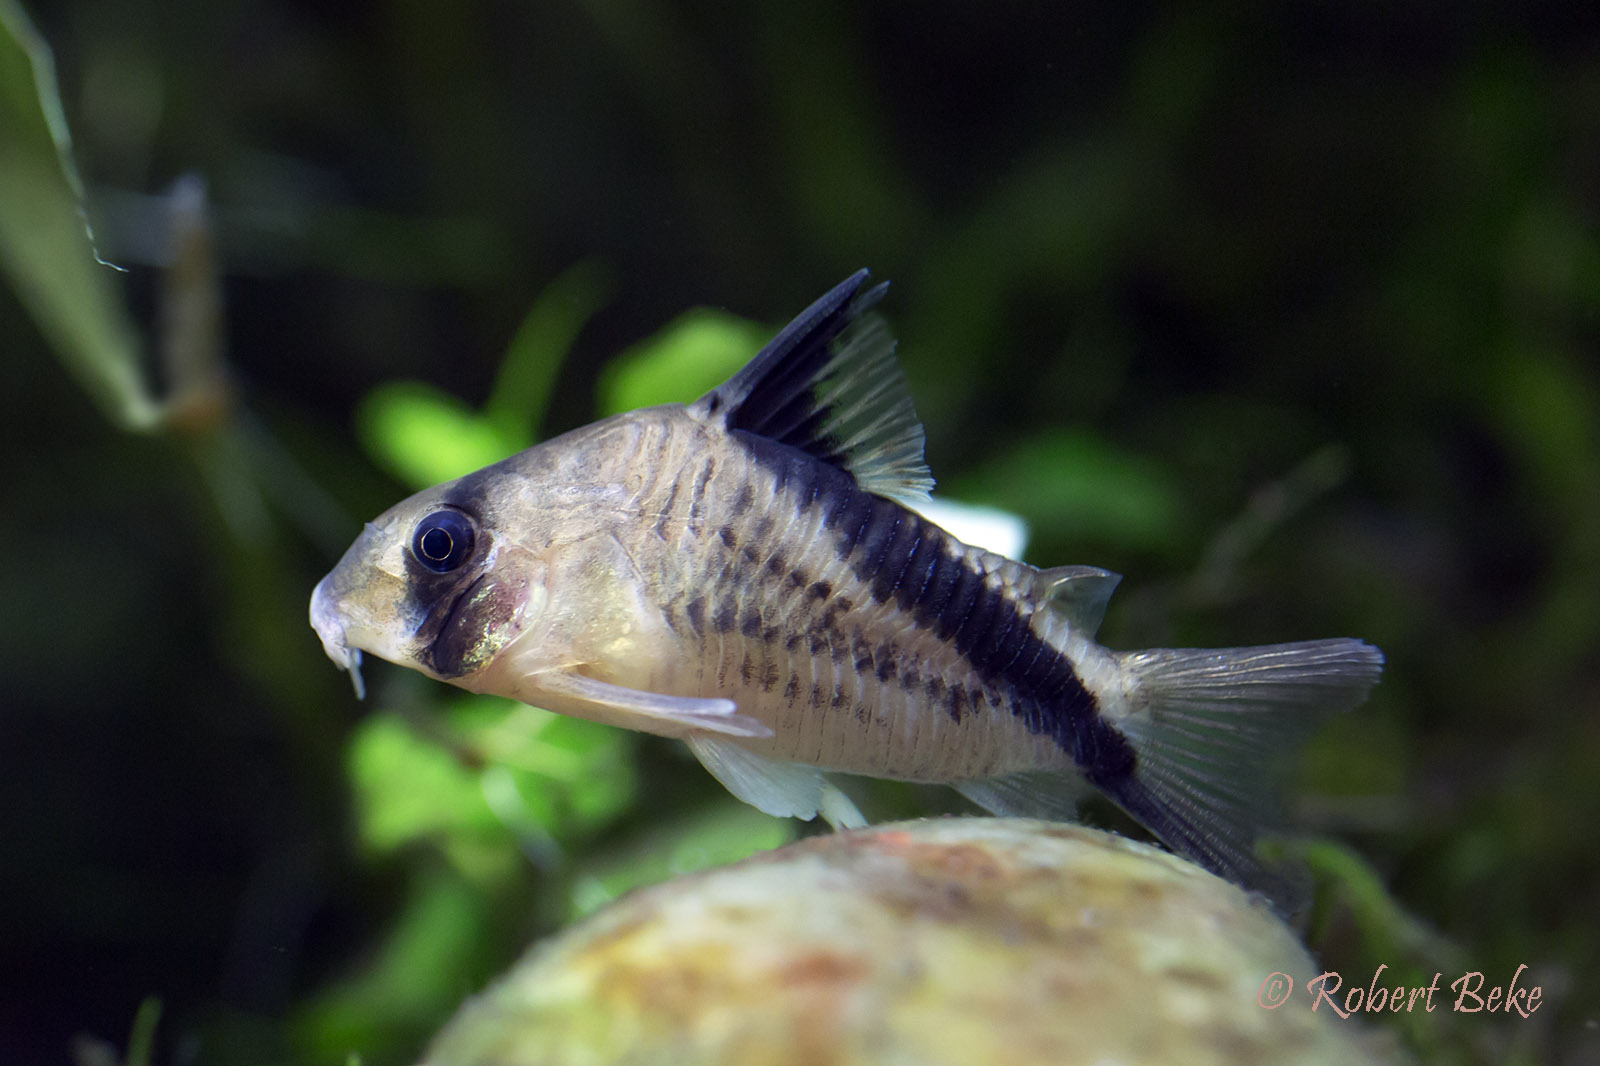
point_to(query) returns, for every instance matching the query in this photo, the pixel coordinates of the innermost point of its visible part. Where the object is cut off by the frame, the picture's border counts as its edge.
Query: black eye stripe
(443, 541)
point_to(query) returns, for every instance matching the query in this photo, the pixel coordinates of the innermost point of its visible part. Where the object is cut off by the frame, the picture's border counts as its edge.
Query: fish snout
(330, 624)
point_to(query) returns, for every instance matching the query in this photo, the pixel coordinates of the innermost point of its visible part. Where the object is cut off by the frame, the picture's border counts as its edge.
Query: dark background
(1286, 312)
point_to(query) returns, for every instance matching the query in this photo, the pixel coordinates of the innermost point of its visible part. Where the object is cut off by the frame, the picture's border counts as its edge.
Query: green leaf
(1079, 487)
(500, 776)
(1386, 925)
(692, 355)
(521, 395)
(563, 776)
(142, 1039)
(407, 788)
(724, 833)
(423, 435)
(45, 245)
(434, 952)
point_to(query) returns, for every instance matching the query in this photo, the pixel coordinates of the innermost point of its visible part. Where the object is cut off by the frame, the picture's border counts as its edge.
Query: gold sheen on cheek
(482, 622)
(491, 627)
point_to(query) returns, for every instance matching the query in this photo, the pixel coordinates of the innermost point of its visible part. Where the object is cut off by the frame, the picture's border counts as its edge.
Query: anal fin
(781, 789)
(1029, 794)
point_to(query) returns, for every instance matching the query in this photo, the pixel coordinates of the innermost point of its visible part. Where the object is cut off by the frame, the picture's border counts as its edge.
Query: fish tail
(1211, 730)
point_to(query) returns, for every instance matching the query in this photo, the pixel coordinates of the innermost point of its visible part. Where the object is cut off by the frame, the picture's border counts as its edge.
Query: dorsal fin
(1081, 593)
(829, 385)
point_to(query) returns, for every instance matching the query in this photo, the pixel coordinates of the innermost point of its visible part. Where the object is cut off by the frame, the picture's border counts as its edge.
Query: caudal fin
(1212, 728)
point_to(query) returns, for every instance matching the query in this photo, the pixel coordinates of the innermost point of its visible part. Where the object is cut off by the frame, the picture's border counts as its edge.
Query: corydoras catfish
(748, 573)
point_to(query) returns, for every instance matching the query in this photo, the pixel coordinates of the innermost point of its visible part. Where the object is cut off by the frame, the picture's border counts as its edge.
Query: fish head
(433, 584)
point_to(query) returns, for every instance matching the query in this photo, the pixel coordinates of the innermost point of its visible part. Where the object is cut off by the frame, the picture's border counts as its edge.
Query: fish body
(748, 573)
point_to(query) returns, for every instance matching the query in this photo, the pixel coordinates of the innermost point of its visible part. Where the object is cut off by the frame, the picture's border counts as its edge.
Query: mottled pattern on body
(830, 614)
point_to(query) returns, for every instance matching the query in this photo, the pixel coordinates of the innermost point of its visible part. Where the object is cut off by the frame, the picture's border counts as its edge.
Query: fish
(750, 573)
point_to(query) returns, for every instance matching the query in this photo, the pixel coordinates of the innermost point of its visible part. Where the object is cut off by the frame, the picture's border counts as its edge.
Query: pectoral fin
(782, 789)
(571, 693)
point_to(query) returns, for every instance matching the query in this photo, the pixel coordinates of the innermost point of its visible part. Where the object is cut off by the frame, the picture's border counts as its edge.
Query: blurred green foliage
(1081, 487)
(1288, 314)
(46, 247)
(689, 357)
(424, 435)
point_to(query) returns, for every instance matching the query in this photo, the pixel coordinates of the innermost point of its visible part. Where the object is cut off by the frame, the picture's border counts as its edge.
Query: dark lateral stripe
(796, 472)
(907, 560)
(920, 566)
(996, 642)
(849, 514)
(950, 618)
(897, 557)
(880, 532)
(971, 630)
(941, 583)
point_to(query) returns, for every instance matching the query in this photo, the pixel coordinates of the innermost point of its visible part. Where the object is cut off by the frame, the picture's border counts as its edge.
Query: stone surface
(961, 940)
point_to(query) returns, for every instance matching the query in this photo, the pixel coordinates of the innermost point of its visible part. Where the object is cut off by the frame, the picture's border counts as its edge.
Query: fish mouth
(330, 627)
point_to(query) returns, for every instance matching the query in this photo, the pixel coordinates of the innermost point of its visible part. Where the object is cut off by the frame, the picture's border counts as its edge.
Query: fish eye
(443, 541)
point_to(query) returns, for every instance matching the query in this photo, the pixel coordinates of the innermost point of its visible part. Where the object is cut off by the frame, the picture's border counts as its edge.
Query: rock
(960, 940)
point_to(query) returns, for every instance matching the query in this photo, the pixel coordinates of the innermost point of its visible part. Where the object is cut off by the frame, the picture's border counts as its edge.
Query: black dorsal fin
(829, 385)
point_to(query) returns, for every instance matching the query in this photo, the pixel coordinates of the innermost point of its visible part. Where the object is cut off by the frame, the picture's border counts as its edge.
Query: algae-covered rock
(965, 940)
